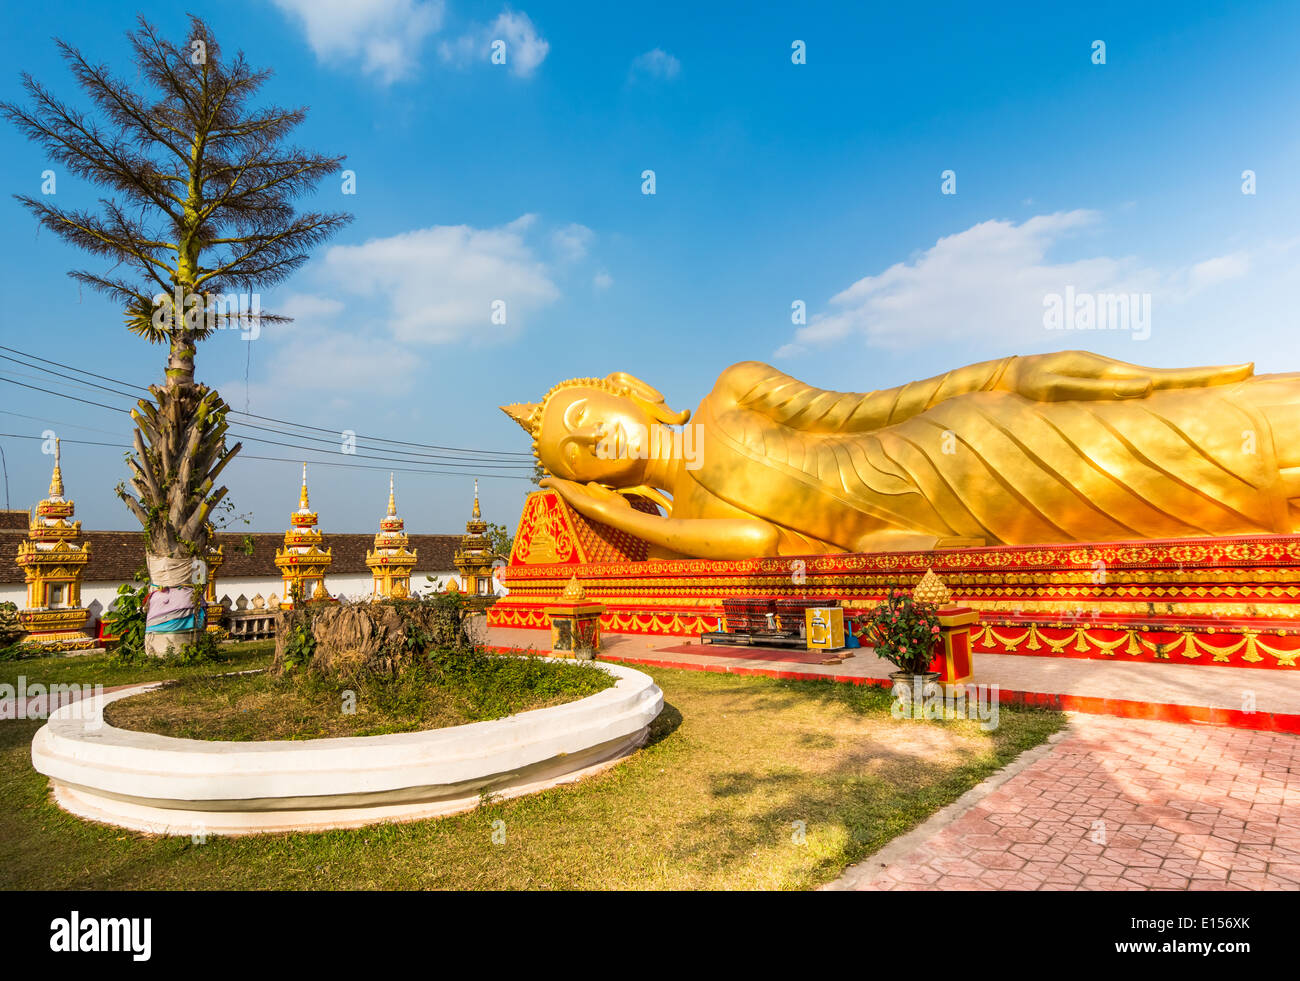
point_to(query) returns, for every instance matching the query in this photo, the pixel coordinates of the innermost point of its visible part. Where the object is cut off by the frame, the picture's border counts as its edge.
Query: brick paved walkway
(1180, 807)
(38, 706)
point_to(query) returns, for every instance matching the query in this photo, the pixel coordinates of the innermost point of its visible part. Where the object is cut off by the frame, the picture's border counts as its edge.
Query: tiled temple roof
(116, 555)
(14, 519)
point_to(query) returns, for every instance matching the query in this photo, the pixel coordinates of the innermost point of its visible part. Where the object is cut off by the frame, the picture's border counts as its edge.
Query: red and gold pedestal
(575, 623)
(953, 658)
(57, 630)
(213, 612)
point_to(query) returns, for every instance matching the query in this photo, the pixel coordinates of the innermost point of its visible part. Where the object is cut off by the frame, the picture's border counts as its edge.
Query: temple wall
(1204, 601)
(98, 595)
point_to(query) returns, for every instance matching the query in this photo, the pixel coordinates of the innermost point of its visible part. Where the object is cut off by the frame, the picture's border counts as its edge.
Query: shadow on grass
(854, 803)
(665, 724)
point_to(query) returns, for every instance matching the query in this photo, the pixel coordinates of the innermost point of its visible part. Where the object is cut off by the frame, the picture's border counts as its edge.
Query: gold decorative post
(953, 658)
(391, 561)
(215, 613)
(475, 556)
(575, 623)
(302, 562)
(53, 560)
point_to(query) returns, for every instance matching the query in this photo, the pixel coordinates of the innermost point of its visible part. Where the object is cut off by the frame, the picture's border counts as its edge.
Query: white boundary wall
(99, 595)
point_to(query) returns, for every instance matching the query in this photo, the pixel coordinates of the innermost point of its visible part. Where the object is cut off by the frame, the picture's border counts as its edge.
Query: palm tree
(197, 211)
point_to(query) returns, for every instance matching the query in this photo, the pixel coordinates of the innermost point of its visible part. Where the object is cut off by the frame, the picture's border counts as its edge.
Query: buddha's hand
(1065, 375)
(592, 500)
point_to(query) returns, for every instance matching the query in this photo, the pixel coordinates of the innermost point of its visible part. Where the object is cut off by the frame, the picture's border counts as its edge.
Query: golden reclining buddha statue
(1062, 447)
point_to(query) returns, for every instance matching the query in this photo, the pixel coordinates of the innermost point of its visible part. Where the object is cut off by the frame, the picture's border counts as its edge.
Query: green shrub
(11, 648)
(10, 631)
(903, 632)
(299, 646)
(125, 619)
(203, 650)
(21, 651)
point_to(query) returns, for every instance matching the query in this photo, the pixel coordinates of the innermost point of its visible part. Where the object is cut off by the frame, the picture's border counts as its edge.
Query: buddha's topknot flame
(529, 414)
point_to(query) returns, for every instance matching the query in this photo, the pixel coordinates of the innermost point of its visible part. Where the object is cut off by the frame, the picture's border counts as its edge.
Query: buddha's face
(592, 435)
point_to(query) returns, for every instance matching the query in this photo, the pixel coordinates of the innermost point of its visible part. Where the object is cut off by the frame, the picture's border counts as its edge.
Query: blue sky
(775, 183)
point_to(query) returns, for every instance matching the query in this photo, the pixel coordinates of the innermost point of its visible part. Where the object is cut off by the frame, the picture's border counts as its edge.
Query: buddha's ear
(650, 397)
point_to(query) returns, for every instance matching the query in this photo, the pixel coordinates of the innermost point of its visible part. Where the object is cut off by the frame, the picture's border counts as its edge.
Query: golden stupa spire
(56, 478)
(303, 505)
(476, 510)
(931, 589)
(392, 501)
(573, 591)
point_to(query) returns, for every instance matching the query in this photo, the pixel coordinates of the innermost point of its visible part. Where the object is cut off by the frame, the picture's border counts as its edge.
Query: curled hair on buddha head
(529, 414)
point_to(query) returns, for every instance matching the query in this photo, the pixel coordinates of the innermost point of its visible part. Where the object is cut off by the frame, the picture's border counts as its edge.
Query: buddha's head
(596, 429)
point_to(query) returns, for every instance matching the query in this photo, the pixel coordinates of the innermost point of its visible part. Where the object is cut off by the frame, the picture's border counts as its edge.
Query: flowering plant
(903, 632)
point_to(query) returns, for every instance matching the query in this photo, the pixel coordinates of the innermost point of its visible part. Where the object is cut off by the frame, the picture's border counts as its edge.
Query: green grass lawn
(91, 669)
(298, 705)
(711, 803)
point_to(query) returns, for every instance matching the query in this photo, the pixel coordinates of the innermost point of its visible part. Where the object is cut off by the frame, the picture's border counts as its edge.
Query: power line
(58, 422)
(486, 462)
(292, 462)
(81, 371)
(254, 415)
(50, 391)
(471, 466)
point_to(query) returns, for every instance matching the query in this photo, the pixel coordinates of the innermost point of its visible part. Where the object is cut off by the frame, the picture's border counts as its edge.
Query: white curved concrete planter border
(163, 785)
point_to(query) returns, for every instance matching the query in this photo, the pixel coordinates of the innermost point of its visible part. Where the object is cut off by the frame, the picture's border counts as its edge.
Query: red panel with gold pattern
(1197, 601)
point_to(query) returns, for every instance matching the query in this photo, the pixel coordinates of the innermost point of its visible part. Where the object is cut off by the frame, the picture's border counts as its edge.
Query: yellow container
(824, 628)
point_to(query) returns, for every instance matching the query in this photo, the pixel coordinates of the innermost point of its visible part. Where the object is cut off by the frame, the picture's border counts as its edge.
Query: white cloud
(987, 281)
(572, 241)
(602, 280)
(984, 288)
(307, 307)
(1218, 270)
(525, 49)
(323, 366)
(437, 285)
(384, 36)
(656, 63)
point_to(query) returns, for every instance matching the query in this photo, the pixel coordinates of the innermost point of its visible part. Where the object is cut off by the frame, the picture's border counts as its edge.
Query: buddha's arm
(761, 388)
(1055, 377)
(719, 538)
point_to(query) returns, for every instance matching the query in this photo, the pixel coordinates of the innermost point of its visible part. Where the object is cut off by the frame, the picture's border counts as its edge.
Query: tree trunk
(180, 451)
(165, 645)
(180, 354)
(175, 604)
